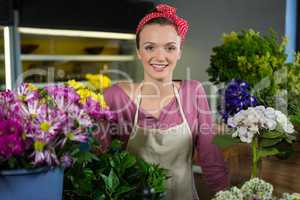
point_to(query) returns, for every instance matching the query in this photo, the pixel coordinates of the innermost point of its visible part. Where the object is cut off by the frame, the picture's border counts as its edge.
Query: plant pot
(37, 184)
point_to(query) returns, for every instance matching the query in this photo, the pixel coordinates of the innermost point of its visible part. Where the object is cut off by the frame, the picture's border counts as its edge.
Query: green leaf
(124, 189)
(272, 135)
(86, 157)
(128, 161)
(116, 144)
(263, 152)
(106, 181)
(265, 142)
(295, 119)
(224, 141)
(102, 197)
(113, 180)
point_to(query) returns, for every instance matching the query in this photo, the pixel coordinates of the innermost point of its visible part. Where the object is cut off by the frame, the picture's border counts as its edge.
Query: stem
(254, 157)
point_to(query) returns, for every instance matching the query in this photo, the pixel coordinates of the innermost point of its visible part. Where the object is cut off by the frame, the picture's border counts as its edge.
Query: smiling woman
(163, 121)
(159, 50)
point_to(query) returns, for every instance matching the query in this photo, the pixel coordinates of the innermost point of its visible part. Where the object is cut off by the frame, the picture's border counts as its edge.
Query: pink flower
(11, 142)
(93, 108)
(26, 92)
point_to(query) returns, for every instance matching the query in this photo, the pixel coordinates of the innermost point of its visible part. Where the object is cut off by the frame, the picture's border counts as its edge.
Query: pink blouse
(198, 115)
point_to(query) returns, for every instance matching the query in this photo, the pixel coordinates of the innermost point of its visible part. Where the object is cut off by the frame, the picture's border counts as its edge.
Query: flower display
(254, 189)
(255, 120)
(42, 127)
(263, 127)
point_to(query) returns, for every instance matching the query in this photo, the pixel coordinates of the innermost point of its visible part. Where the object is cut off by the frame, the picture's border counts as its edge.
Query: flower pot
(37, 184)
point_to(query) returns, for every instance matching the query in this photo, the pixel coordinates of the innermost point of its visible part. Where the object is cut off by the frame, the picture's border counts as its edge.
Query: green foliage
(225, 141)
(114, 175)
(294, 75)
(251, 57)
(293, 84)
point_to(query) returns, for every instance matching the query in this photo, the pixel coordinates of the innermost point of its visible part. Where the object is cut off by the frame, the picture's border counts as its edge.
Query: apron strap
(179, 103)
(136, 115)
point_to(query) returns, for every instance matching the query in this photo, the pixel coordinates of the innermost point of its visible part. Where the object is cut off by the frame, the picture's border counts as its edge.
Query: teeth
(159, 66)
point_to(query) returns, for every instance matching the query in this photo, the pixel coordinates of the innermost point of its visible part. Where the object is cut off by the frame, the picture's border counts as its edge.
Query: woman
(164, 121)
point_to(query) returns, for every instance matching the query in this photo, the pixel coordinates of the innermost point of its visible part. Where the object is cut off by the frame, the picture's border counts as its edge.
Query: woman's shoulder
(120, 92)
(128, 87)
(192, 86)
(192, 82)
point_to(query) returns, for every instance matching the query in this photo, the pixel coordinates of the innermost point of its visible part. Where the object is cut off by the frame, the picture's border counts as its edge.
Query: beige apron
(171, 148)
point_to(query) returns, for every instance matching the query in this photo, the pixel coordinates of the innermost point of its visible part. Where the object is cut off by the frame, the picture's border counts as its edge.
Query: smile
(159, 67)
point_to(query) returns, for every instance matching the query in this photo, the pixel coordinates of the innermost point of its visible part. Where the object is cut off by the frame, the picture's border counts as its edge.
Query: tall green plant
(251, 57)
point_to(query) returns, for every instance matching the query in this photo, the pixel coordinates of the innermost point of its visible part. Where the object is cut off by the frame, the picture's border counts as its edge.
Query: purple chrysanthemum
(10, 106)
(63, 96)
(26, 92)
(93, 108)
(11, 141)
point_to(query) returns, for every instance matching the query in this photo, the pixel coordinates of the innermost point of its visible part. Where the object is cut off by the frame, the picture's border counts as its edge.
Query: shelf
(76, 33)
(90, 58)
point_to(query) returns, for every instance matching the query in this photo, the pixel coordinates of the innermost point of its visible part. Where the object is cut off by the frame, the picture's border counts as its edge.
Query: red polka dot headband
(169, 12)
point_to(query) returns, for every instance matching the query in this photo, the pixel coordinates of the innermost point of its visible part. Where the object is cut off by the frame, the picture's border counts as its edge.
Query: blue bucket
(37, 184)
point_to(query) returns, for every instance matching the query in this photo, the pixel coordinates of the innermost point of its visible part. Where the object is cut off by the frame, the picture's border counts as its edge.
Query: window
(2, 64)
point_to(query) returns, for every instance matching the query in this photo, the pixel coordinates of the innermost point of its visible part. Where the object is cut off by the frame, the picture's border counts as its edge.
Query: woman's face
(159, 50)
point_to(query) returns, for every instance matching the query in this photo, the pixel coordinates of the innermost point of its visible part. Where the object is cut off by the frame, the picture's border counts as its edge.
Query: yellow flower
(100, 98)
(76, 85)
(98, 81)
(32, 87)
(84, 94)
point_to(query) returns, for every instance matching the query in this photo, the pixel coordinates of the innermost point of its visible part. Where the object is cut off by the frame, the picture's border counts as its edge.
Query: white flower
(239, 117)
(235, 134)
(270, 113)
(288, 128)
(257, 187)
(261, 108)
(248, 123)
(233, 193)
(287, 196)
(231, 123)
(271, 124)
(253, 128)
(280, 117)
(245, 135)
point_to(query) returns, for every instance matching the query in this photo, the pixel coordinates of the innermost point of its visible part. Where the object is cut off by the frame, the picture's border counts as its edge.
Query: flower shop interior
(236, 46)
